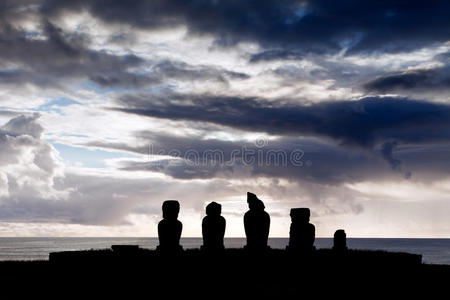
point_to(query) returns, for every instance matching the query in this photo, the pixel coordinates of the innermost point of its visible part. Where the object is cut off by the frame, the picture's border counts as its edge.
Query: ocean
(434, 251)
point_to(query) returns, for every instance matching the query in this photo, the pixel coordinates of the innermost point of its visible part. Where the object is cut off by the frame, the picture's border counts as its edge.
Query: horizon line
(199, 237)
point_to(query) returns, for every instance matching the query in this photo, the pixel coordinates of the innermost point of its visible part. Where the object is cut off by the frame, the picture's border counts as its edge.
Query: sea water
(435, 251)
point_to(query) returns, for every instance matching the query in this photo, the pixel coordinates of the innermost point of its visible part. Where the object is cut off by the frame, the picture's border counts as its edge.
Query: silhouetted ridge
(256, 271)
(235, 273)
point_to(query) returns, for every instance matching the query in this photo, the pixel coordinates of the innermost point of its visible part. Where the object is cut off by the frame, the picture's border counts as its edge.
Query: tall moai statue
(169, 228)
(340, 240)
(256, 223)
(213, 228)
(302, 233)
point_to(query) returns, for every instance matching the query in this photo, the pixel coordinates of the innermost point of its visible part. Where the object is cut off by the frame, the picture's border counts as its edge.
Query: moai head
(300, 215)
(170, 209)
(254, 203)
(213, 209)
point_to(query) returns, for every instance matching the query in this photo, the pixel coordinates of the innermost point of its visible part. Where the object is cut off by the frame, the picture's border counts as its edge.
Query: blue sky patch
(90, 158)
(56, 104)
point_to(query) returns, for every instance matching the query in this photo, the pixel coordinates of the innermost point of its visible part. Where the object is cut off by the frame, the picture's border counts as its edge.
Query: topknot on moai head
(300, 215)
(170, 209)
(213, 209)
(254, 203)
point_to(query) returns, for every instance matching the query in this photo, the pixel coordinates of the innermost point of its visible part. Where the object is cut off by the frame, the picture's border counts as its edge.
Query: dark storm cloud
(302, 160)
(13, 11)
(181, 70)
(285, 29)
(160, 71)
(427, 80)
(444, 57)
(361, 122)
(275, 55)
(386, 151)
(19, 77)
(123, 79)
(304, 26)
(62, 55)
(318, 162)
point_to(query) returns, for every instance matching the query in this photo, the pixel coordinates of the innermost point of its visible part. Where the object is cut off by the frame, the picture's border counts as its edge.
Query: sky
(108, 108)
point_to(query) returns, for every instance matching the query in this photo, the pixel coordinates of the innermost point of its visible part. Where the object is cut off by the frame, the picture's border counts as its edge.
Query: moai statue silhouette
(213, 228)
(256, 223)
(340, 240)
(169, 228)
(302, 233)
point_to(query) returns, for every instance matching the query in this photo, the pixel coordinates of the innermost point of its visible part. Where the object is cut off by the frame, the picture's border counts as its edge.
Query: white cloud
(28, 164)
(394, 62)
(3, 185)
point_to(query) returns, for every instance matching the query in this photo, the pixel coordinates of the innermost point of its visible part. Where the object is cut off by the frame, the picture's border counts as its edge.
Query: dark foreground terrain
(128, 272)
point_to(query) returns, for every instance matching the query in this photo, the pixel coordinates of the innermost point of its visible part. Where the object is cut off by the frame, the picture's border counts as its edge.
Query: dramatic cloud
(308, 26)
(28, 164)
(417, 80)
(32, 183)
(378, 119)
(58, 54)
(297, 160)
(35, 187)
(275, 55)
(109, 107)
(165, 70)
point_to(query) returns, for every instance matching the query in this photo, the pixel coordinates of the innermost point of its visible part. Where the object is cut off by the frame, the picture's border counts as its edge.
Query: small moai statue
(302, 233)
(213, 228)
(169, 228)
(340, 240)
(256, 224)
